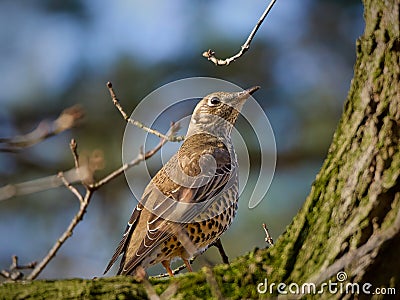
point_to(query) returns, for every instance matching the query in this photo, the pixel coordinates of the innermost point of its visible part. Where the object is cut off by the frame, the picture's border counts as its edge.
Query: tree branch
(41, 184)
(268, 237)
(74, 149)
(170, 138)
(138, 159)
(68, 118)
(89, 190)
(210, 54)
(13, 273)
(67, 233)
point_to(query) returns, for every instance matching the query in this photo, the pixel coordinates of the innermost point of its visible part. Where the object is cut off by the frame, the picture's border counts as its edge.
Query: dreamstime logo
(339, 287)
(175, 101)
(341, 276)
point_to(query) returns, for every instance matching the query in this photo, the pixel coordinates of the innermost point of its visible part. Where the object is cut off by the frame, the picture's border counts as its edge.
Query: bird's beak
(252, 89)
(240, 98)
(246, 93)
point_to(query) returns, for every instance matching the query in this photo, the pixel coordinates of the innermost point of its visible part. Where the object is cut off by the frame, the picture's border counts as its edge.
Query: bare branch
(74, 149)
(268, 237)
(70, 187)
(210, 54)
(66, 120)
(13, 273)
(94, 163)
(83, 173)
(41, 184)
(85, 200)
(67, 233)
(138, 124)
(16, 266)
(138, 159)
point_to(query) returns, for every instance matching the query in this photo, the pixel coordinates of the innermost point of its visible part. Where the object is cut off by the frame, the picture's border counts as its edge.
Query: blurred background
(55, 54)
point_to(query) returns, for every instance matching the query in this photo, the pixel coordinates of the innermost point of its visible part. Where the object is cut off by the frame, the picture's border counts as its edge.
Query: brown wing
(151, 240)
(126, 237)
(159, 228)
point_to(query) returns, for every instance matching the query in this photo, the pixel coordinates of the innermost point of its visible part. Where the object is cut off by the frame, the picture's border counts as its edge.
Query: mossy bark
(350, 221)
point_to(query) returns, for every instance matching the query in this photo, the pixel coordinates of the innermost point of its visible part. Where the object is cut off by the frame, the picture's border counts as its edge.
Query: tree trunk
(351, 219)
(349, 223)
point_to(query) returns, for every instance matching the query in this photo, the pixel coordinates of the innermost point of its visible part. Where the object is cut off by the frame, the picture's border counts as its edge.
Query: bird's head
(217, 112)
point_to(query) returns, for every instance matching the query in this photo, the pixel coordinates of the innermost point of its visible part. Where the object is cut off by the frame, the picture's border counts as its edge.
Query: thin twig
(171, 138)
(80, 174)
(42, 184)
(138, 159)
(85, 200)
(68, 118)
(268, 237)
(74, 149)
(13, 273)
(17, 266)
(210, 54)
(67, 233)
(70, 187)
(89, 188)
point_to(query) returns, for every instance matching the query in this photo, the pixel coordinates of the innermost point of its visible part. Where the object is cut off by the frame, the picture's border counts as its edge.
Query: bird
(191, 201)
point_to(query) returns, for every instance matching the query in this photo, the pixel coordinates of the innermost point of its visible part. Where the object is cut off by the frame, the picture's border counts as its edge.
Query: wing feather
(126, 237)
(159, 228)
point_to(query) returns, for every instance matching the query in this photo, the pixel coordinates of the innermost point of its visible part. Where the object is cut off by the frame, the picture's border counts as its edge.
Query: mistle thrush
(192, 199)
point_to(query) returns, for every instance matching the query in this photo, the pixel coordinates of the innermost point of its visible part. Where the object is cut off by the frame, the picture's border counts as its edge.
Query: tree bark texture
(351, 219)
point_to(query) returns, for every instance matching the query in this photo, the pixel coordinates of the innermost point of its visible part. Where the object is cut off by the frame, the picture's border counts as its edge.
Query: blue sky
(42, 51)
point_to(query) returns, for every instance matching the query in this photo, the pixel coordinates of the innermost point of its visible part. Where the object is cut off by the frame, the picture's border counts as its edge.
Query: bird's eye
(214, 101)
